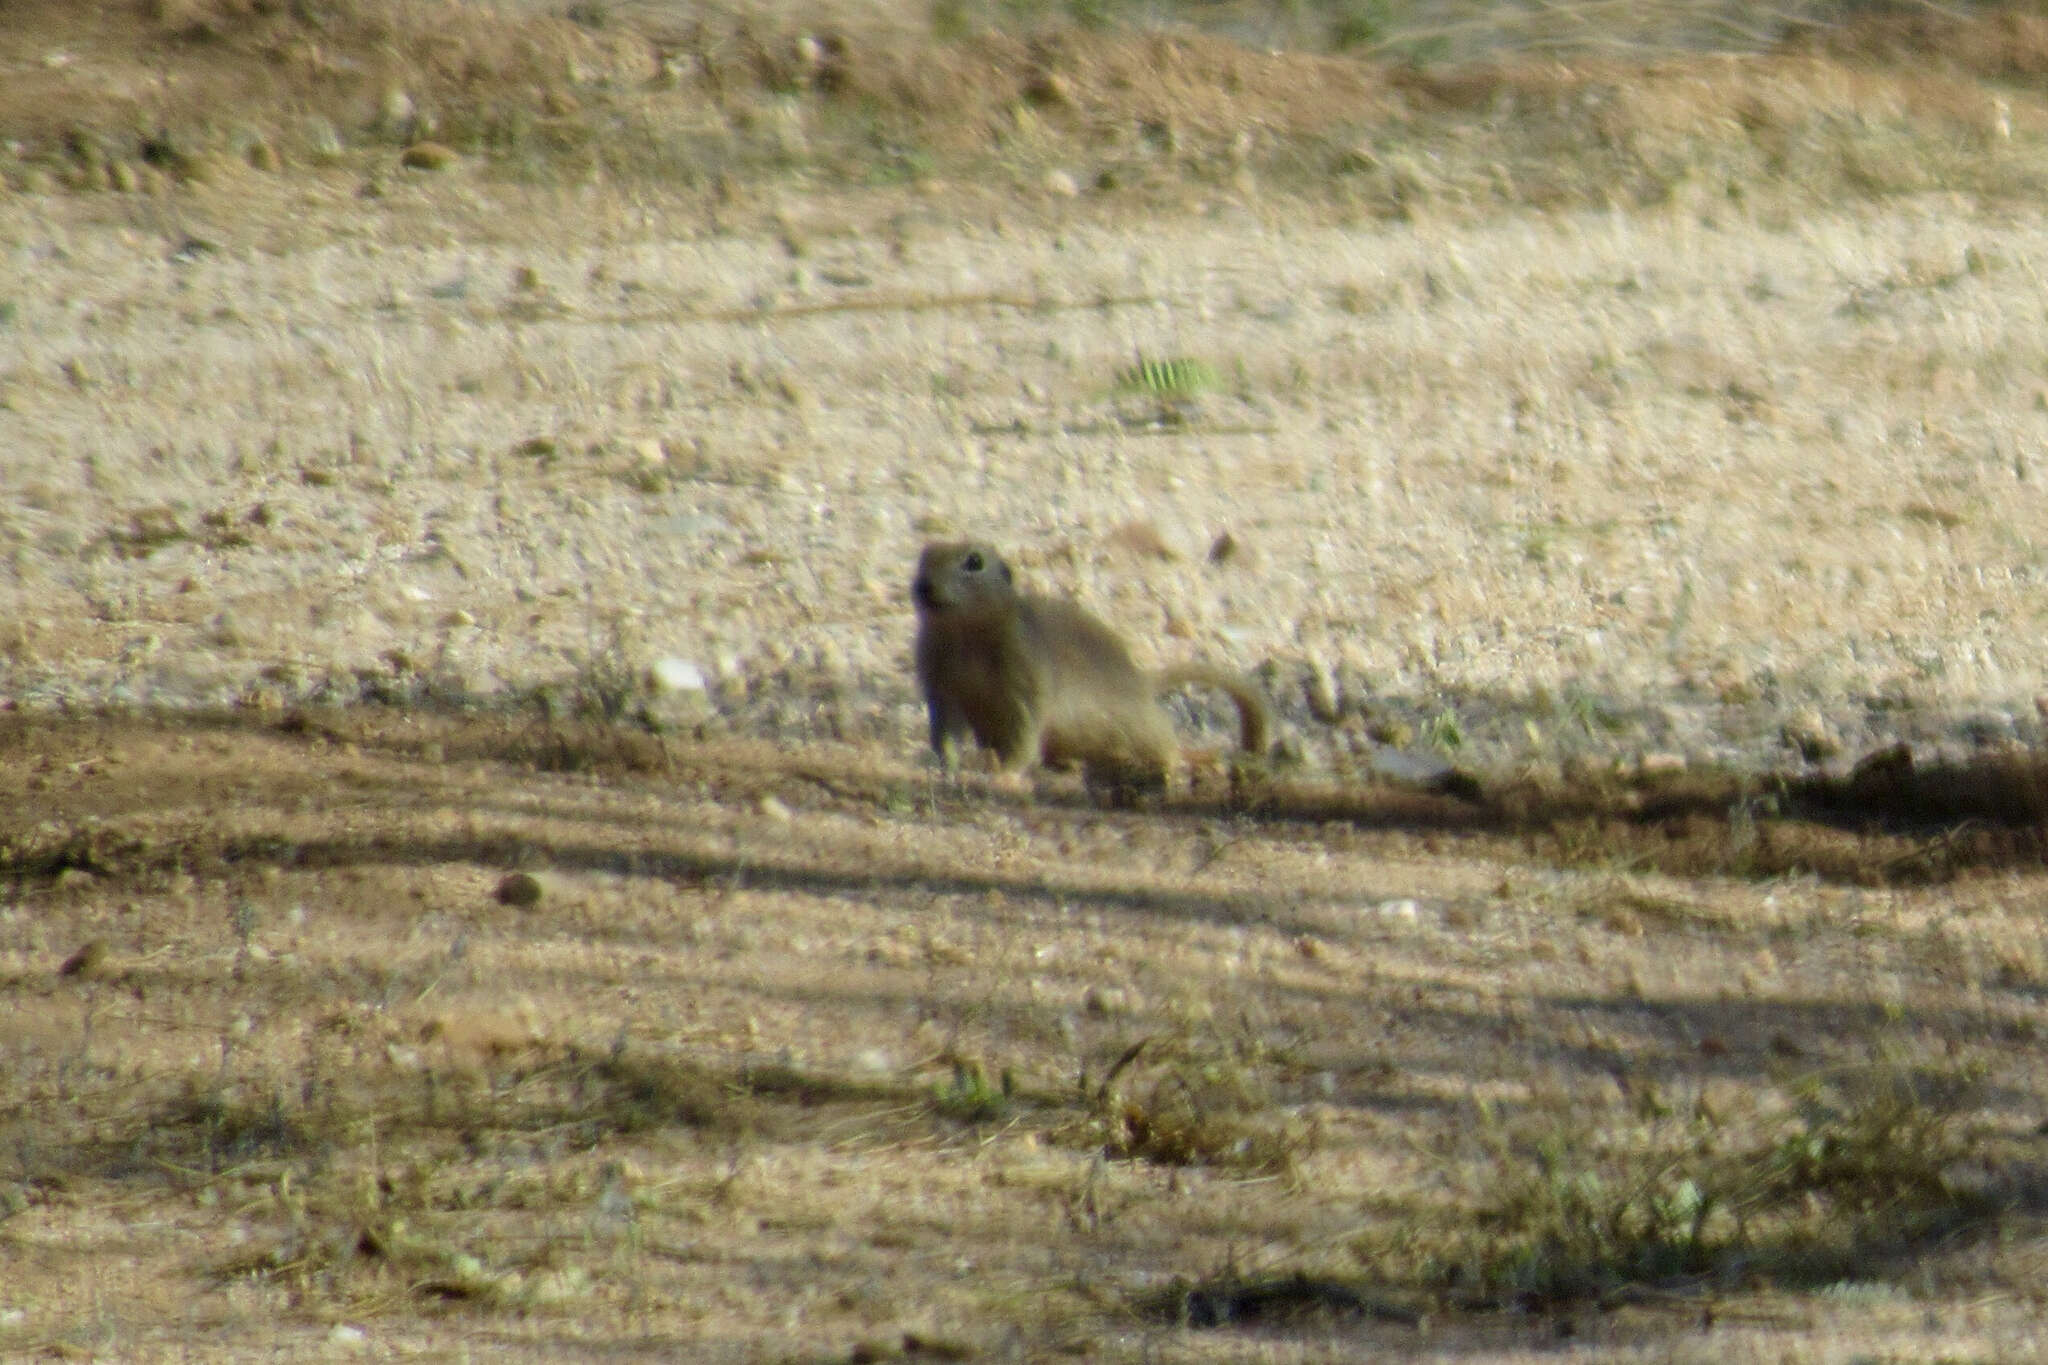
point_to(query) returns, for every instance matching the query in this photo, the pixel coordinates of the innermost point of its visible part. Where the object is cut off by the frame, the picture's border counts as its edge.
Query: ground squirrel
(1037, 679)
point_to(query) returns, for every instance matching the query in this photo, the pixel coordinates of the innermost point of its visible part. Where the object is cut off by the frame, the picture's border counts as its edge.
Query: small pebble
(1319, 690)
(428, 156)
(87, 961)
(520, 889)
(1810, 734)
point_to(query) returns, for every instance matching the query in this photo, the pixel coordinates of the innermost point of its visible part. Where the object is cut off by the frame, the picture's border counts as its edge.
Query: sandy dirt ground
(325, 1084)
(1655, 483)
(341, 537)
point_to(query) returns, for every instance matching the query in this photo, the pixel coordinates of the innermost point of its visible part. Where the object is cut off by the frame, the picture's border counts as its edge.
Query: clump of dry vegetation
(1199, 1096)
(1837, 1176)
(1835, 1179)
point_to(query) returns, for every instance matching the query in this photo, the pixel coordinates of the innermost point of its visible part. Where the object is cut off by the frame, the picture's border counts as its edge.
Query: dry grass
(811, 1075)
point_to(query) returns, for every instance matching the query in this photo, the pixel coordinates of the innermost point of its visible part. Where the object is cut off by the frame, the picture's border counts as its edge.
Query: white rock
(397, 109)
(1411, 765)
(673, 674)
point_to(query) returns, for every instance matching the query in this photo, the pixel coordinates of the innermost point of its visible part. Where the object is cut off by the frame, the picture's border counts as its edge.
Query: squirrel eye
(973, 563)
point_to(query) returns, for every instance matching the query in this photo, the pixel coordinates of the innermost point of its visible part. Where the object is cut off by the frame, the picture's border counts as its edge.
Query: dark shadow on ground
(1890, 818)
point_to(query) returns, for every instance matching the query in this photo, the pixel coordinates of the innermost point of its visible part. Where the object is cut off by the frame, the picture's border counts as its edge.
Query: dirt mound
(2001, 43)
(187, 65)
(175, 80)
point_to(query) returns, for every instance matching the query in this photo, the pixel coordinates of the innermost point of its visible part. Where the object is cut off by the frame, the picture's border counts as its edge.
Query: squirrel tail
(1254, 716)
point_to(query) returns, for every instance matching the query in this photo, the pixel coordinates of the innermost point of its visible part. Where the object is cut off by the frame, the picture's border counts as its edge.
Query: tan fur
(1037, 679)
